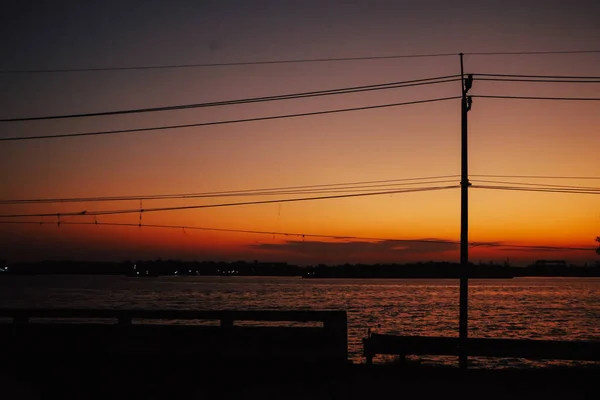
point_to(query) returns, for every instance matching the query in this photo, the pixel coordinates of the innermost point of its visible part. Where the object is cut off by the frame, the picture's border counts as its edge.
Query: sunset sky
(509, 138)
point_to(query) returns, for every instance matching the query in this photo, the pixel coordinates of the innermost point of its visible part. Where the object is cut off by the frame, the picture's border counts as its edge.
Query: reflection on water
(536, 308)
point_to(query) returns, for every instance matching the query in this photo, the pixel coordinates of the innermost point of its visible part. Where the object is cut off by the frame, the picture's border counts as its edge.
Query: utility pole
(466, 102)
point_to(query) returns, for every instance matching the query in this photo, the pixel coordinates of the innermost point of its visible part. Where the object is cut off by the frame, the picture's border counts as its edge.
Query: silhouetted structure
(43, 333)
(376, 344)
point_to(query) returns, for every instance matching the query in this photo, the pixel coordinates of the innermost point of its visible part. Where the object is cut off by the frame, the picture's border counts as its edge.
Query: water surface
(534, 308)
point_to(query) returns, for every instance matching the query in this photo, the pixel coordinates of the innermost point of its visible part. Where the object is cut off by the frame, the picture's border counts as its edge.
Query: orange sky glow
(506, 137)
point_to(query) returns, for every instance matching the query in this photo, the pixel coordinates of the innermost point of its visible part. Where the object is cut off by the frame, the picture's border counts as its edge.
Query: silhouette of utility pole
(466, 102)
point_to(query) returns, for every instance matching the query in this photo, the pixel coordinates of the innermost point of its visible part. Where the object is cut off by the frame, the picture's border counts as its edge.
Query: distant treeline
(242, 268)
(449, 270)
(156, 268)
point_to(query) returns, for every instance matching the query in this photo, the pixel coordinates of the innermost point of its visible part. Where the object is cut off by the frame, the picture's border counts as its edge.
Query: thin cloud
(322, 248)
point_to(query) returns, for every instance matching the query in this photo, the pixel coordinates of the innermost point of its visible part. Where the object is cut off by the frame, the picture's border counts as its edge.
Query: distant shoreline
(419, 270)
(302, 277)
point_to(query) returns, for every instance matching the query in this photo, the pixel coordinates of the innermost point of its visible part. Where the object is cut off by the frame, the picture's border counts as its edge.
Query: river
(533, 308)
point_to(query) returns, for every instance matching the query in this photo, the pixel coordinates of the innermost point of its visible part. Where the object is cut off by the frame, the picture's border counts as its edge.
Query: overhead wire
(303, 235)
(529, 80)
(530, 189)
(223, 122)
(435, 80)
(360, 189)
(340, 237)
(544, 185)
(355, 89)
(554, 77)
(535, 176)
(245, 192)
(193, 207)
(535, 97)
(290, 96)
(295, 61)
(535, 79)
(530, 53)
(490, 77)
(227, 64)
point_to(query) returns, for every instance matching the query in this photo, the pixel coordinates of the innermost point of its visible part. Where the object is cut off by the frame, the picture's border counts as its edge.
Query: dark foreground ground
(168, 379)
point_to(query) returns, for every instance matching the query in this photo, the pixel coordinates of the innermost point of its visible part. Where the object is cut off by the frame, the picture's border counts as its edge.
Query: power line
(183, 227)
(536, 98)
(364, 186)
(537, 80)
(292, 61)
(538, 76)
(193, 207)
(348, 90)
(536, 247)
(544, 185)
(292, 96)
(246, 192)
(98, 133)
(359, 189)
(227, 64)
(530, 53)
(522, 189)
(535, 176)
(297, 234)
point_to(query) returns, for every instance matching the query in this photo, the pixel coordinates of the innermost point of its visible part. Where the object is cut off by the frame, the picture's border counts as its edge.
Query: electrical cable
(246, 192)
(267, 118)
(193, 207)
(303, 235)
(355, 89)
